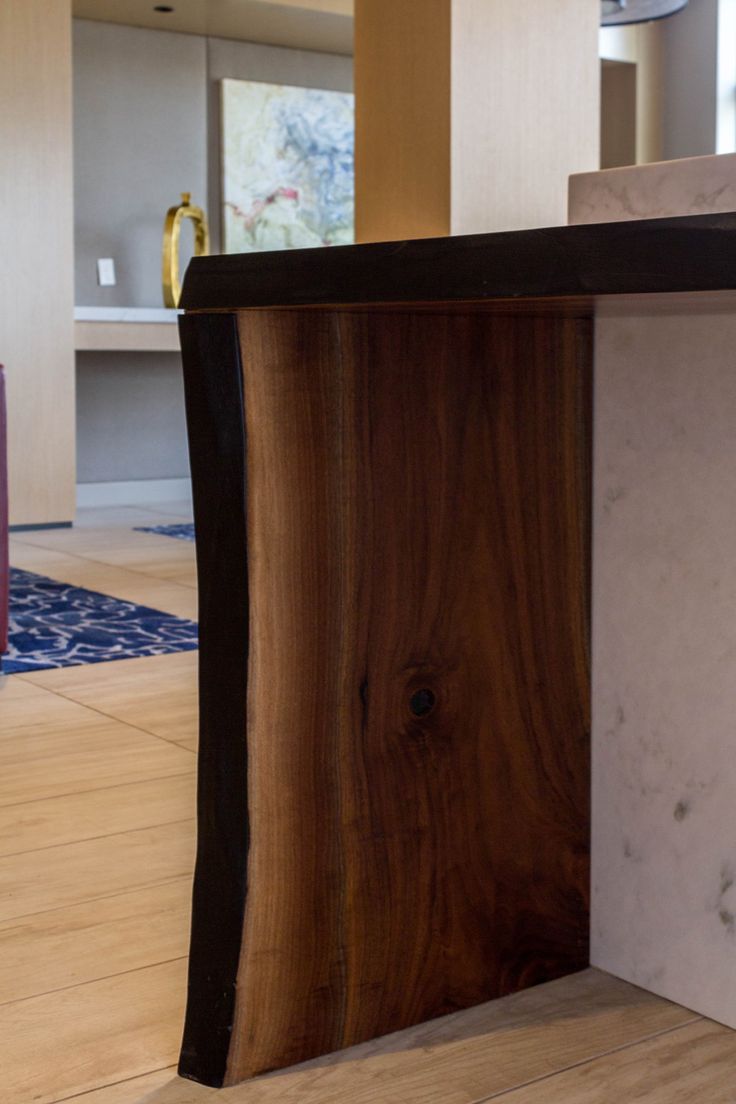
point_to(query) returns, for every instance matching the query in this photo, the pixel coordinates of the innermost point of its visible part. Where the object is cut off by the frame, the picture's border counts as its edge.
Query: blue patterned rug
(181, 532)
(57, 625)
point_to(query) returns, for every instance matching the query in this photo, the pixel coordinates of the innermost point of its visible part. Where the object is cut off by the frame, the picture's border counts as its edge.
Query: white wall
(140, 138)
(686, 75)
(250, 61)
(130, 410)
(146, 126)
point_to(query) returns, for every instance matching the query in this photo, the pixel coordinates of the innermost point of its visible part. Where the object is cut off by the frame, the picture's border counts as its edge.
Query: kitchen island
(391, 462)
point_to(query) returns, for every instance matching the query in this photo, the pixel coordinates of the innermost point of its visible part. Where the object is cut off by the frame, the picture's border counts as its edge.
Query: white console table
(132, 329)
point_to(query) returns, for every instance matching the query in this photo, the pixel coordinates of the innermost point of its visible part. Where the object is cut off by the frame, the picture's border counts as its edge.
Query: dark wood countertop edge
(646, 256)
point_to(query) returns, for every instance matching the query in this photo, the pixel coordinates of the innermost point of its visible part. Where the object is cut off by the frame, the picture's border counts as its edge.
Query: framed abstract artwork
(287, 166)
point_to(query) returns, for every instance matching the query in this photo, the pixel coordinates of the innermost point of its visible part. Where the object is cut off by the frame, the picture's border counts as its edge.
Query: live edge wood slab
(390, 449)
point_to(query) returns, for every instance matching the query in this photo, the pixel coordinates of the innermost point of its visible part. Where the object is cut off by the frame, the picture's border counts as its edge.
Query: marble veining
(690, 186)
(664, 657)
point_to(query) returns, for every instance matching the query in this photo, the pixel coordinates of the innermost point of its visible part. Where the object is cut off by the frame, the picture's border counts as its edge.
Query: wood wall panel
(36, 267)
(525, 110)
(471, 114)
(402, 119)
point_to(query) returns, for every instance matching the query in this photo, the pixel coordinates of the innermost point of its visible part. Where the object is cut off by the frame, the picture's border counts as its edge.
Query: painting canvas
(288, 179)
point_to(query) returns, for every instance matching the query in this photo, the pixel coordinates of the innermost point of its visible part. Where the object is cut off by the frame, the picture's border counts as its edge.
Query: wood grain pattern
(157, 694)
(60, 876)
(63, 947)
(214, 402)
(696, 1062)
(149, 1088)
(417, 522)
(443, 98)
(643, 257)
(91, 1034)
(81, 753)
(25, 707)
(511, 156)
(403, 104)
(69, 818)
(159, 593)
(460, 1059)
(149, 554)
(38, 250)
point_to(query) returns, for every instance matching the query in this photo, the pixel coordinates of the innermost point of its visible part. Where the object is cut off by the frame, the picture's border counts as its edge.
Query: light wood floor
(96, 850)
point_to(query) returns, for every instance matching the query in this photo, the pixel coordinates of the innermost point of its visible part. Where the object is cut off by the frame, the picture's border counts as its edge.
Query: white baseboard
(134, 492)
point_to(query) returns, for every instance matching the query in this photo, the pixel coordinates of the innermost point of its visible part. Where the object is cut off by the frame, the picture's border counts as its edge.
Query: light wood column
(471, 114)
(36, 267)
(402, 119)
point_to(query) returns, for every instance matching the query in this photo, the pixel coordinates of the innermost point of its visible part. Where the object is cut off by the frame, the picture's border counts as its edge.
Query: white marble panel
(126, 314)
(691, 186)
(664, 657)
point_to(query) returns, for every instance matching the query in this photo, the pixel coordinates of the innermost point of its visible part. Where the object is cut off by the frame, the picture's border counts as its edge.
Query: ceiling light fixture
(615, 12)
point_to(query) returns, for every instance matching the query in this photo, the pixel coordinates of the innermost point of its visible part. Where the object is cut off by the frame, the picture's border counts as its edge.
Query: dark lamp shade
(615, 12)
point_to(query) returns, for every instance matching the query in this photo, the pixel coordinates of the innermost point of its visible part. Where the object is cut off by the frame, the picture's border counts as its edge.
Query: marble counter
(131, 329)
(664, 657)
(664, 615)
(125, 314)
(691, 186)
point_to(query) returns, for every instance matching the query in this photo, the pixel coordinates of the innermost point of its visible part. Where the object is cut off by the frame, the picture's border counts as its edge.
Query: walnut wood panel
(417, 692)
(214, 405)
(643, 257)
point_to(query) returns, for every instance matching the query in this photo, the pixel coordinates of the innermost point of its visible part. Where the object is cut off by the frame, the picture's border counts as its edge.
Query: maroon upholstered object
(4, 570)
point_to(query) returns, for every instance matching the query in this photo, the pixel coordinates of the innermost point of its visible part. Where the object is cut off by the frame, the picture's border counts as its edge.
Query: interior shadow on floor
(480, 1052)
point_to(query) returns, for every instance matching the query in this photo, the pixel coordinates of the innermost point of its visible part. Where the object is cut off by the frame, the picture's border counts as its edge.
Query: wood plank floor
(96, 854)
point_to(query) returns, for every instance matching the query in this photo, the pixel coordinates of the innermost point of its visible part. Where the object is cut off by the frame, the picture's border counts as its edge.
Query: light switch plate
(106, 272)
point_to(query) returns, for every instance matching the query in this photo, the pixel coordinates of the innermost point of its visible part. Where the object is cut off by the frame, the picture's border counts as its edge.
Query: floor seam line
(112, 1084)
(93, 981)
(8, 920)
(91, 839)
(101, 712)
(7, 924)
(102, 563)
(95, 789)
(588, 1061)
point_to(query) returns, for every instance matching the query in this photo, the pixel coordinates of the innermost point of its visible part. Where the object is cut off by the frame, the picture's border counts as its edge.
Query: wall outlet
(106, 272)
